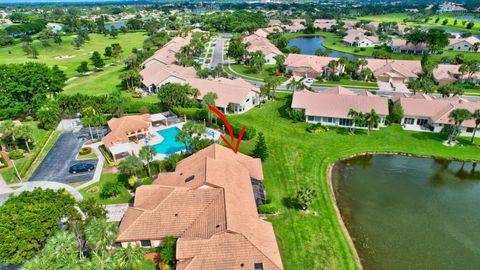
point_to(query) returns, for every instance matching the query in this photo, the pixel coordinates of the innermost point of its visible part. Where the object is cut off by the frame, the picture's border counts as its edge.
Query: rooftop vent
(190, 178)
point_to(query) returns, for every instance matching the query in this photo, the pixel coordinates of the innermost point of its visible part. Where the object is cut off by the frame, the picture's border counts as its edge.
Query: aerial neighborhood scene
(239, 135)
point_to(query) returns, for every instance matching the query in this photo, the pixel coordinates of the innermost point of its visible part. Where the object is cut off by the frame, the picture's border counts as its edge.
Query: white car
(309, 80)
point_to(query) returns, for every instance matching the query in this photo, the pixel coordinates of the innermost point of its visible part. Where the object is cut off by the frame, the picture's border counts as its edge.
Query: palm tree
(129, 258)
(476, 117)
(342, 61)
(358, 119)
(296, 85)
(25, 132)
(333, 65)
(62, 249)
(209, 100)
(457, 116)
(9, 130)
(146, 154)
(100, 234)
(372, 119)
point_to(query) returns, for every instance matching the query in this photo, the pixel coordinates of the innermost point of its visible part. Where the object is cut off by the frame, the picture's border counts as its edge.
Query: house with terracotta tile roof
(395, 71)
(331, 107)
(274, 23)
(402, 46)
(233, 96)
(310, 66)
(156, 74)
(426, 113)
(296, 25)
(166, 54)
(210, 205)
(358, 38)
(324, 24)
(264, 32)
(448, 73)
(463, 44)
(258, 43)
(372, 26)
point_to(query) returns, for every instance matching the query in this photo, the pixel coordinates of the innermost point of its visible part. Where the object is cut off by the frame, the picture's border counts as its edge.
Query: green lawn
(98, 42)
(97, 83)
(124, 196)
(38, 135)
(347, 82)
(249, 73)
(400, 17)
(299, 158)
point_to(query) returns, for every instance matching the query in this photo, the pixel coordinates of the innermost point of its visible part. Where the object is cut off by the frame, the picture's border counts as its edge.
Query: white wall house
(332, 106)
(463, 44)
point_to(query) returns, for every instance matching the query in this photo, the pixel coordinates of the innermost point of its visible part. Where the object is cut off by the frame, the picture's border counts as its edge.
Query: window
(328, 119)
(310, 118)
(469, 130)
(346, 122)
(145, 243)
(422, 122)
(258, 266)
(409, 121)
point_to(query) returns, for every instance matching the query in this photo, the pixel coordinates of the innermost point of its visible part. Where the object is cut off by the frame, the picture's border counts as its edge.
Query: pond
(308, 45)
(117, 25)
(411, 213)
(468, 17)
(453, 32)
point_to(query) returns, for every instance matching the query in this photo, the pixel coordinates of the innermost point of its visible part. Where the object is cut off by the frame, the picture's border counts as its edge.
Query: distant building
(155, 74)
(166, 54)
(402, 46)
(450, 7)
(310, 66)
(357, 38)
(259, 43)
(464, 44)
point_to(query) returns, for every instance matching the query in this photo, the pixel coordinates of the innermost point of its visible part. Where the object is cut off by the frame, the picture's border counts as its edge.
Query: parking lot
(55, 166)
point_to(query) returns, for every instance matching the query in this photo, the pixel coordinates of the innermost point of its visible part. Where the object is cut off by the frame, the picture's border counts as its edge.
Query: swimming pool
(169, 145)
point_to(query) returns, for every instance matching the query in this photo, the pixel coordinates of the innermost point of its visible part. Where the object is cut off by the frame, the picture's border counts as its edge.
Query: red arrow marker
(230, 130)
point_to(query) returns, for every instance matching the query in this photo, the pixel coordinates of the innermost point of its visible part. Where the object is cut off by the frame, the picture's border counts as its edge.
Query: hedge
(267, 209)
(36, 151)
(191, 113)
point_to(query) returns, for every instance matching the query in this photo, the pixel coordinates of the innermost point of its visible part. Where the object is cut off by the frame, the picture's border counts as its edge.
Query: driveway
(63, 155)
(217, 57)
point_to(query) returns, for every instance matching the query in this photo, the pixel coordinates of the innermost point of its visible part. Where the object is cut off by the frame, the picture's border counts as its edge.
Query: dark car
(82, 167)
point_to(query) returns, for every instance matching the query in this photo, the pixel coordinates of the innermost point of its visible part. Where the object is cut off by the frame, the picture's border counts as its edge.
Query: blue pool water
(169, 145)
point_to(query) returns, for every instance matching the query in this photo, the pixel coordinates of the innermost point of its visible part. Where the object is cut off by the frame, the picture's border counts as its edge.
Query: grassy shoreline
(298, 158)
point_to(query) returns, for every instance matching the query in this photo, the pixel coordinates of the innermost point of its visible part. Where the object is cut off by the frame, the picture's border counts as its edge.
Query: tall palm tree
(129, 258)
(146, 154)
(209, 100)
(62, 249)
(100, 234)
(296, 85)
(457, 116)
(476, 117)
(372, 119)
(333, 65)
(9, 130)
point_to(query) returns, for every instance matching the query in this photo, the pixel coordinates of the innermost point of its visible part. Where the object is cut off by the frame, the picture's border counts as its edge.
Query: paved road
(63, 155)
(217, 57)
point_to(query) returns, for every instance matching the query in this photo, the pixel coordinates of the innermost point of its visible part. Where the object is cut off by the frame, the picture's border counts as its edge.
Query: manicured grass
(87, 156)
(249, 73)
(298, 158)
(347, 82)
(97, 83)
(38, 135)
(124, 196)
(98, 42)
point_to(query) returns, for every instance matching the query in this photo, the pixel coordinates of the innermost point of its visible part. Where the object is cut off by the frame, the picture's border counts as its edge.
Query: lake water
(117, 25)
(411, 213)
(308, 45)
(468, 17)
(450, 31)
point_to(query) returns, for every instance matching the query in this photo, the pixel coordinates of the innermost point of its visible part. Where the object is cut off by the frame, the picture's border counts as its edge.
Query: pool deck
(157, 139)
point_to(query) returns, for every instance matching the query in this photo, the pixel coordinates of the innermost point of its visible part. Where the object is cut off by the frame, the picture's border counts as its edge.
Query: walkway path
(98, 169)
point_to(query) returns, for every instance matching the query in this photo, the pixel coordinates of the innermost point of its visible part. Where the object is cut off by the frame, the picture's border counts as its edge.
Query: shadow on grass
(431, 136)
(291, 203)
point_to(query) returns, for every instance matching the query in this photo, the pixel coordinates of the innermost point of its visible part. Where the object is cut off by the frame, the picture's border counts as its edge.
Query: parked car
(82, 167)
(309, 80)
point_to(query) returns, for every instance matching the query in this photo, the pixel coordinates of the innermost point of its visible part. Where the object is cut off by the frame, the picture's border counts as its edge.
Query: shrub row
(36, 151)
(267, 209)
(191, 113)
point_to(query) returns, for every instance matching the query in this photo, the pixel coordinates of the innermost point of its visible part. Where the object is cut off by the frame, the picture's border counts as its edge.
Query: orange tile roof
(121, 127)
(208, 203)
